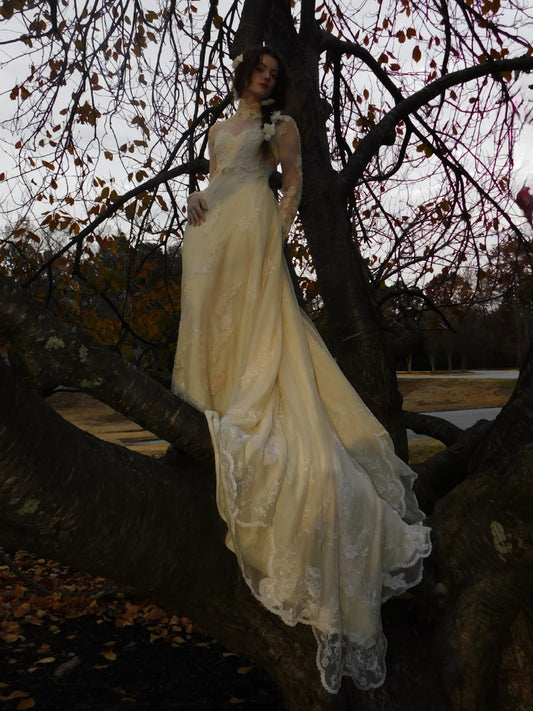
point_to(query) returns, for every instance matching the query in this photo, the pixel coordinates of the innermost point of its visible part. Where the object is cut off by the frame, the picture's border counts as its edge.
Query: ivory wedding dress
(319, 510)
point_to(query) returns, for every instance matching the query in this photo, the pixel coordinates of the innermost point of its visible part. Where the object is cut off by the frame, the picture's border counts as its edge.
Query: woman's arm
(196, 204)
(196, 208)
(291, 167)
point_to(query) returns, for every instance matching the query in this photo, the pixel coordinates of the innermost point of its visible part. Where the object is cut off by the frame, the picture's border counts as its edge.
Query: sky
(523, 171)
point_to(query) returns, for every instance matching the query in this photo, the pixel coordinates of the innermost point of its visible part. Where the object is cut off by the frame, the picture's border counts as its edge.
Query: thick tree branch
(513, 426)
(112, 512)
(252, 25)
(339, 47)
(384, 132)
(445, 470)
(49, 353)
(200, 165)
(432, 426)
(483, 540)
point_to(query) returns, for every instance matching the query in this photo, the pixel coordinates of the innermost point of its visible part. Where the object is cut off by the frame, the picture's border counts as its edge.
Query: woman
(320, 512)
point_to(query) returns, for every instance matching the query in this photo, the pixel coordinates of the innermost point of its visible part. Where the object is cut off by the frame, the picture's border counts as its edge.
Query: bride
(319, 510)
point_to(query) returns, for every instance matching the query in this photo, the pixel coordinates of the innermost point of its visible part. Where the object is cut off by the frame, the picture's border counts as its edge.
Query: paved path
(462, 418)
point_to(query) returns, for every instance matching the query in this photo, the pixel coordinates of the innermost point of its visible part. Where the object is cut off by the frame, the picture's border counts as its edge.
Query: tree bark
(119, 514)
(457, 639)
(482, 567)
(48, 353)
(112, 512)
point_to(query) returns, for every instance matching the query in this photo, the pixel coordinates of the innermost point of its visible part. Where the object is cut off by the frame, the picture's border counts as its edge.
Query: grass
(437, 394)
(422, 449)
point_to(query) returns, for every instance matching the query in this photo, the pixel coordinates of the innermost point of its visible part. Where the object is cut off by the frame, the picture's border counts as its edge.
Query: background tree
(407, 116)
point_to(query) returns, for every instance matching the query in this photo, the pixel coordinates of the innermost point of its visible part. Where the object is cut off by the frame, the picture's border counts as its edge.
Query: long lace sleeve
(291, 166)
(211, 147)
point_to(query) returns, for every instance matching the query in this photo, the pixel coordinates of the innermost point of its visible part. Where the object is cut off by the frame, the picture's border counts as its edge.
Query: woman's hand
(196, 209)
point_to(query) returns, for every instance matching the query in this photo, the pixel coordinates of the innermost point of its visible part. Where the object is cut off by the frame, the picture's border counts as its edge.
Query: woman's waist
(242, 173)
(232, 180)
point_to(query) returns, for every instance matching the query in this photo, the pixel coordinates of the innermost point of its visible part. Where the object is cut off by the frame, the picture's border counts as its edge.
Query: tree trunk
(115, 513)
(482, 566)
(458, 641)
(355, 336)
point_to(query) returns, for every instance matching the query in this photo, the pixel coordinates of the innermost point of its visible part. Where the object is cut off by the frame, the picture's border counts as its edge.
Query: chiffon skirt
(319, 510)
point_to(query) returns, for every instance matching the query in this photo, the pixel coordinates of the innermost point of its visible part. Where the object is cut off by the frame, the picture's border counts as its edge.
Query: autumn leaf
(15, 695)
(154, 614)
(425, 148)
(245, 670)
(22, 610)
(130, 210)
(25, 704)
(417, 54)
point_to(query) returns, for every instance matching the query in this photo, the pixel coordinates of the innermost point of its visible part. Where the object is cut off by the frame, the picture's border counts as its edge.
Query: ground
(70, 642)
(91, 648)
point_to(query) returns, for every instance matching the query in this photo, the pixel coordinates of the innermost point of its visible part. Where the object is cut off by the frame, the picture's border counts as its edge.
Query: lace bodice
(234, 149)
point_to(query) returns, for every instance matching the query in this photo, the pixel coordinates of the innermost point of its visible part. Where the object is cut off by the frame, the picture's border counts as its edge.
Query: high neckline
(248, 108)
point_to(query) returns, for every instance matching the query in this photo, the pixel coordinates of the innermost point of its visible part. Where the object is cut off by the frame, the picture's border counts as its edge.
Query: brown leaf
(154, 614)
(245, 670)
(15, 695)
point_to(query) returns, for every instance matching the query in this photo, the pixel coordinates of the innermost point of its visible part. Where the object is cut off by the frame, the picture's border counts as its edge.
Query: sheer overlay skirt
(319, 510)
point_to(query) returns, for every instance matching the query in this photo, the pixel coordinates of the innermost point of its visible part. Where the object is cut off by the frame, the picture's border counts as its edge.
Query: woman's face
(263, 79)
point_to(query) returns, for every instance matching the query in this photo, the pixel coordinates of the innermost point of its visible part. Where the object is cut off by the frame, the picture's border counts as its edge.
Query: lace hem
(361, 658)
(336, 594)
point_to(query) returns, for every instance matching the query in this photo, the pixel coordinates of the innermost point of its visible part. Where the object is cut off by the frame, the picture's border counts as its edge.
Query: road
(461, 418)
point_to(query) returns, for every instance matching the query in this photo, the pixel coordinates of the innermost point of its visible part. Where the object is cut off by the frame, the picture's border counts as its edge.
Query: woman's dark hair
(251, 58)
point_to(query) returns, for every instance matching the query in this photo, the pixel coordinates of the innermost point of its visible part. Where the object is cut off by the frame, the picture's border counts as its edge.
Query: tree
(382, 101)
(511, 264)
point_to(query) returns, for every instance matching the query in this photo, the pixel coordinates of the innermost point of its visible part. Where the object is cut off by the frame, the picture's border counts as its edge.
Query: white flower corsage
(238, 59)
(269, 129)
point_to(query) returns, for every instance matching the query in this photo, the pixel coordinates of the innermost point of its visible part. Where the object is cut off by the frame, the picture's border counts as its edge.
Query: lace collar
(248, 109)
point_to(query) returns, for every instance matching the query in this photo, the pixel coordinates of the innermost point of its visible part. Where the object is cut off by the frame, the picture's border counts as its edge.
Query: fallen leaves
(71, 595)
(46, 660)
(62, 633)
(26, 701)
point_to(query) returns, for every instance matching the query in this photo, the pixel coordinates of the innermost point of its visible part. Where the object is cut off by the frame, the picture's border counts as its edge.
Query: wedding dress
(319, 510)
